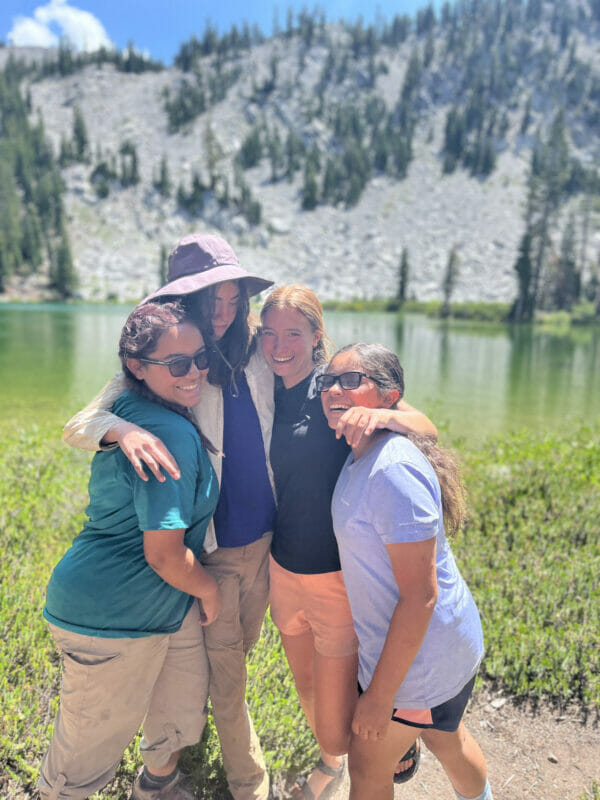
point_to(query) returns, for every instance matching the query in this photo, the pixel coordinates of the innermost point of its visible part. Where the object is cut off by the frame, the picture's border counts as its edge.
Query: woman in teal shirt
(121, 603)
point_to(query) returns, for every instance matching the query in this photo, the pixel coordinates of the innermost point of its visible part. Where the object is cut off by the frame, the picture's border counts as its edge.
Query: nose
(336, 388)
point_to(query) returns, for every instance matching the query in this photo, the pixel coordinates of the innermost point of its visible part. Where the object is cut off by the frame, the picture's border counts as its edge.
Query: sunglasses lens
(324, 382)
(180, 367)
(201, 360)
(350, 380)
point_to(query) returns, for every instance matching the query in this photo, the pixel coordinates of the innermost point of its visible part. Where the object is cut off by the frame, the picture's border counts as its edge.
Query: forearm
(406, 419)
(406, 632)
(89, 426)
(182, 570)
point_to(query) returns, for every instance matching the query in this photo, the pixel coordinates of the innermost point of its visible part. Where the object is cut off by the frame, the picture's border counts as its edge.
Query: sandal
(337, 773)
(413, 752)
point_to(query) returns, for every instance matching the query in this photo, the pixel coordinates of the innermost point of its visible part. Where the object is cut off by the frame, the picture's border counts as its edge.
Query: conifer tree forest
(503, 72)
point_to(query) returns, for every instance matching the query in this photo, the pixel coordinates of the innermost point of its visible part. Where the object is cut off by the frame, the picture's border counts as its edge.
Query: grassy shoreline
(474, 311)
(530, 553)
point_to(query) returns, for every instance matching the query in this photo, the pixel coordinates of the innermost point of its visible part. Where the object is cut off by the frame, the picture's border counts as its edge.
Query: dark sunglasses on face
(180, 366)
(347, 380)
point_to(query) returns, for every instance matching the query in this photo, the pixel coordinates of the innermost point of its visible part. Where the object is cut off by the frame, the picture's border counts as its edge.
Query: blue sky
(158, 28)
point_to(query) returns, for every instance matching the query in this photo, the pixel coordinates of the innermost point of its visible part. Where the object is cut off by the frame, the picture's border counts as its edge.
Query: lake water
(472, 379)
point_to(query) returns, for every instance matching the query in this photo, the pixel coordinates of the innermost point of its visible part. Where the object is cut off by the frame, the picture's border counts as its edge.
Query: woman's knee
(335, 740)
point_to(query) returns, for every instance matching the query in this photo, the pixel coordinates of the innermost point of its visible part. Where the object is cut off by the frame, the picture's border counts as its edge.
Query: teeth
(282, 360)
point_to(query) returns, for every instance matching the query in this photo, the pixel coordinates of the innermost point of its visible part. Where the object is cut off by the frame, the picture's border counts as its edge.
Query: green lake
(472, 379)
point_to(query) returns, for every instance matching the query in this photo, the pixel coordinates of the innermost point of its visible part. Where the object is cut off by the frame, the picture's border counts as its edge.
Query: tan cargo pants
(109, 686)
(243, 577)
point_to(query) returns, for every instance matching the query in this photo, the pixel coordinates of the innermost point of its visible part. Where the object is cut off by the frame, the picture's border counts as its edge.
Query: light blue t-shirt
(391, 495)
(103, 586)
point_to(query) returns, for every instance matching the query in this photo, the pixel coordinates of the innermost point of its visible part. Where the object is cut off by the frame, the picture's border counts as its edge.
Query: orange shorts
(313, 603)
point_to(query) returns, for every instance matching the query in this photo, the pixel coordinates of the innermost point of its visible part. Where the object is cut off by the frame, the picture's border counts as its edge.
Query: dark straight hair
(229, 355)
(383, 365)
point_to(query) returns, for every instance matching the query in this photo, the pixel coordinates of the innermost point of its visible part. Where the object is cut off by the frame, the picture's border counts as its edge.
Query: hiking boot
(179, 788)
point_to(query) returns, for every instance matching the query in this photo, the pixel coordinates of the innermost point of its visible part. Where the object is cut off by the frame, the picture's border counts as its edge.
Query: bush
(530, 553)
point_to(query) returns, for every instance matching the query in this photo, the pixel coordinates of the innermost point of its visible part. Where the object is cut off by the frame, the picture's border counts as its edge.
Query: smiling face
(288, 341)
(179, 340)
(336, 401)
(226, 305)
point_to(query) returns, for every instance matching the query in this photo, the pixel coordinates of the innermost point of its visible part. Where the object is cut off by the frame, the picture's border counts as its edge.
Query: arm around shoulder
(89, 426)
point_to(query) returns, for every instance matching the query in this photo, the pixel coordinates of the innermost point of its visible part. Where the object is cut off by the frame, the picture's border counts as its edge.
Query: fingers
(209, 611)
(137, 465)
(357, 422)
(144, 449)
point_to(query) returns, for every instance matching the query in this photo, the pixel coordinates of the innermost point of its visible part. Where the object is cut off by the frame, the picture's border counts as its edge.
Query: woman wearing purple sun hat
(236, 414)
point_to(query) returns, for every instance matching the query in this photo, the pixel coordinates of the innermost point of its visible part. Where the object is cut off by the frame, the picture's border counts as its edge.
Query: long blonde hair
(304, 300)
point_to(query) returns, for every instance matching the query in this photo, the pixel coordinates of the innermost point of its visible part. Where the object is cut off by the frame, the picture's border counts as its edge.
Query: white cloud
(57, 20)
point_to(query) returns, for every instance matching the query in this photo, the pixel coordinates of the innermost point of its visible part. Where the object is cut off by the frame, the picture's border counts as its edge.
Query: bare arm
(358, 422)
(176, 564)
(414, 569)
(95, 428)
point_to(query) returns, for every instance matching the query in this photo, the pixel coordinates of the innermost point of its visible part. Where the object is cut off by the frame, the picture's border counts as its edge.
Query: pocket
(84, 659)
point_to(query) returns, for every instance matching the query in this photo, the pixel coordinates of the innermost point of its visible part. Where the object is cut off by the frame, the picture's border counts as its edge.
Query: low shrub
(530, 553)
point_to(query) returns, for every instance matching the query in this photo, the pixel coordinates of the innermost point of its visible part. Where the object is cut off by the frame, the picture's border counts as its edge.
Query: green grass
(592, 794)
(530, 553)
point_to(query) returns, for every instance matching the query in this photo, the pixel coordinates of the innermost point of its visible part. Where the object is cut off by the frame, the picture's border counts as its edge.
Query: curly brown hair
(139, 339)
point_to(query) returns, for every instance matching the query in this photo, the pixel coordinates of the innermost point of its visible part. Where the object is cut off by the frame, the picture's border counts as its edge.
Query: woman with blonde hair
(308, 600)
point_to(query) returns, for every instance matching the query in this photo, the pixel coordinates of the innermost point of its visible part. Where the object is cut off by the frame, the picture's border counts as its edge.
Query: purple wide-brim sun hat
(201, 260)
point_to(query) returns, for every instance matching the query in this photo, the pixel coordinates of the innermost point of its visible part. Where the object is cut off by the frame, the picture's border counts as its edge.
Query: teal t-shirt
(103, 586)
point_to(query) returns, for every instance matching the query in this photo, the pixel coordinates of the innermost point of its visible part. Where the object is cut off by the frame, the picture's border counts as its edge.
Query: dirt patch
(531, 755)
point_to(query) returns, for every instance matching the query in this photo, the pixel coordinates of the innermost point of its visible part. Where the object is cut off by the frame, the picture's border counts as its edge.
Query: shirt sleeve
(403, 504)
(169, 505)
(87, 428)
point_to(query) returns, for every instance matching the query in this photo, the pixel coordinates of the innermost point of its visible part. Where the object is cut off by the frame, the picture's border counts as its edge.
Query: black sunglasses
(347, 380)
(180, 366)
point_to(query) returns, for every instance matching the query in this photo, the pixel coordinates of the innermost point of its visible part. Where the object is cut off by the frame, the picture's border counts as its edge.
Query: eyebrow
(285, 330)
(184, 355)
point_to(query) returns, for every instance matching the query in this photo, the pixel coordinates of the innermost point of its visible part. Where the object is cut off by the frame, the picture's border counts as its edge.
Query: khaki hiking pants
(109, 686)
(243, 577)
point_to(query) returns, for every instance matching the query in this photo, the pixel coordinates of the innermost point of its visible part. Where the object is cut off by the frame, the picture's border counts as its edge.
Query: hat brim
(189, 284)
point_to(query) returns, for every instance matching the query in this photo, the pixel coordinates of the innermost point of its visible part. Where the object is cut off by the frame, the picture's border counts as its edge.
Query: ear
(136, 366)
(317, 336)
(391, 397)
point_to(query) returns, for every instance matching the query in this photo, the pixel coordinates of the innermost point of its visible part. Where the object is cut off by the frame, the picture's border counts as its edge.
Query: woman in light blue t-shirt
(121, 603)
(419, 632)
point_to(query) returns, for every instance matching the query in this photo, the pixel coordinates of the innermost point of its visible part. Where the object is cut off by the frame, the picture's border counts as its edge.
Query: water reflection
(473, 379)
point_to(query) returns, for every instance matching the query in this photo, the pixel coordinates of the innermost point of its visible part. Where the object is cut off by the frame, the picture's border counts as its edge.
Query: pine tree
(567, 280)
(162, 183)
(80, 137)
(523, 305)
(62, 272)
(403, 275)
(310, 189)
(31, 246)
(450, 276)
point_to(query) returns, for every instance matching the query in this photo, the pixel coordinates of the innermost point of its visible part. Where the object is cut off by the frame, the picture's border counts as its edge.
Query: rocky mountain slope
(341, 252)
